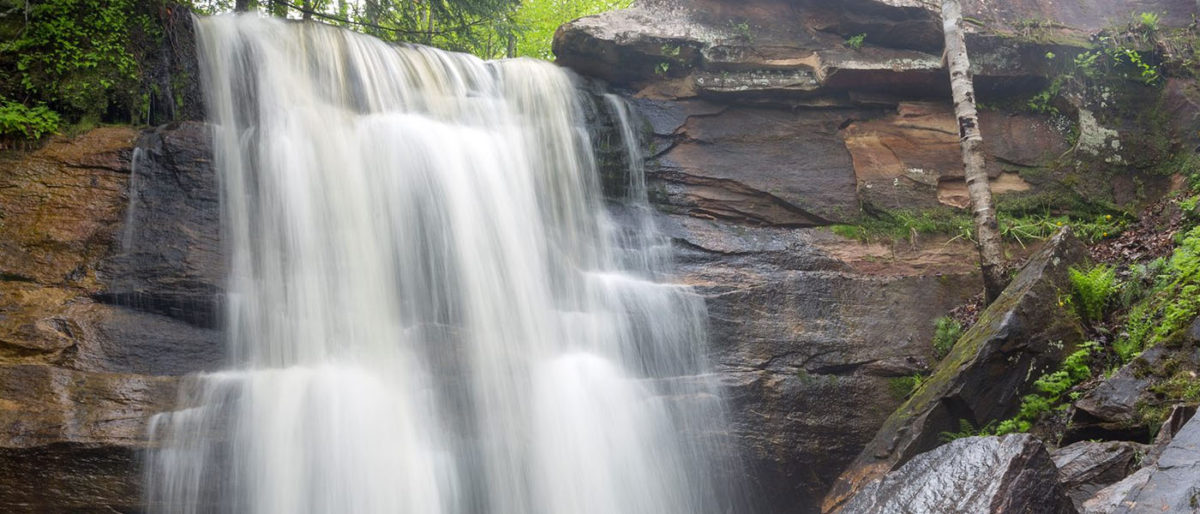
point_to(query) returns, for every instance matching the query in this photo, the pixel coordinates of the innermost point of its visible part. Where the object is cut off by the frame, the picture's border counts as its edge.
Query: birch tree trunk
(987, 235)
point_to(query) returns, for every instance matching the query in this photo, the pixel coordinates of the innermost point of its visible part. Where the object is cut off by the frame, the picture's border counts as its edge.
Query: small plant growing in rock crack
(1050, 390)
(967, 429)
(903, 387)
(1148, 21)
(741, 30)
(856, 42)
(946, 332)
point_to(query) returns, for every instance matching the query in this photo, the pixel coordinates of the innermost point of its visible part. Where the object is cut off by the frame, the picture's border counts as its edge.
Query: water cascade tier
(430, 308)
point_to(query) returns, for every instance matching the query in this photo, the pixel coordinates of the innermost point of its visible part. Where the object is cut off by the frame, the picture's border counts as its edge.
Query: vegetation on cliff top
(82, 62)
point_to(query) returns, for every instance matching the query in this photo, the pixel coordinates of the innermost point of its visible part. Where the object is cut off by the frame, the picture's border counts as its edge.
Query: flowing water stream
(429, 308)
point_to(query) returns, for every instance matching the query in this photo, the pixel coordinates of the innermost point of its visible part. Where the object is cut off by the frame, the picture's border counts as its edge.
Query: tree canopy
(80, 62)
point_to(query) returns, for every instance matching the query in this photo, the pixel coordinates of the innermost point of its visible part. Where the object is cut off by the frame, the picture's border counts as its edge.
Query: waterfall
(429, 307)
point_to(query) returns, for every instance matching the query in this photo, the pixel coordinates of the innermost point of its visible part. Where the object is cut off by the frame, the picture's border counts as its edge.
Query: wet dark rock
(1111, 409)
(69, 440)
(1086, 467)
(759, 166)
(1020, 336)
(70, 477)
(974, 475)
(1169, 484)
(169, 260)
(808, 346)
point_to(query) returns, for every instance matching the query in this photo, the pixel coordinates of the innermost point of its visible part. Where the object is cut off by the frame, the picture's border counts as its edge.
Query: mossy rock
(1023, 334)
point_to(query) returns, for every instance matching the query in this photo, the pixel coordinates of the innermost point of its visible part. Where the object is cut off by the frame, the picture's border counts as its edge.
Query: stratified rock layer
(79, 377)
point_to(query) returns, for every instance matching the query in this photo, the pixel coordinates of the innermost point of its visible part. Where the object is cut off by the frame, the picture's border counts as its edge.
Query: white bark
(987, 234)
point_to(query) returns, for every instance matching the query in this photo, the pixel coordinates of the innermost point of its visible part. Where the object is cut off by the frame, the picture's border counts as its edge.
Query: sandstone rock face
(80, 375)
(1017, 338)
(809, 333)
(773, 49)
(762, 166)
(974, 475)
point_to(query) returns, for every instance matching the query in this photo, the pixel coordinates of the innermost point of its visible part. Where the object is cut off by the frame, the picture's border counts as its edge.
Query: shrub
(1091, 290)
(20, 122)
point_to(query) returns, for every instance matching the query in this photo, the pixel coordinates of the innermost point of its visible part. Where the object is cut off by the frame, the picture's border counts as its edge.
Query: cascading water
(428, 308)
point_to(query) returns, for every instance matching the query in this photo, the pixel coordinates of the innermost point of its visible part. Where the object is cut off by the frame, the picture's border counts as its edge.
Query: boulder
(1117, 408)
(772, 49)
(974, 475)
(1167, 485)
(1086, 467)
(1020, 336)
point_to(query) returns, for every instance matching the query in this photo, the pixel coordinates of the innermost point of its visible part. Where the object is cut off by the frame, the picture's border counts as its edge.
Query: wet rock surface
(1169, 484)
(1086, 467)
(1017, 338)
(809, 333)
(79, 377)
(973, 475)
(169, 256)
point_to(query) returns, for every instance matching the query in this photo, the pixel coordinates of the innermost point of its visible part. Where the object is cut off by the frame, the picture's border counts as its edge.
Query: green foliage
(1148, 21)
(537, 20)
(1051, 388)
(901, 225)
(1091, 290)
(1170, 306)
(1043, 101)
(741, 30)
(20, 122)
(1021, 220)
(856, 42)
(946, 332)
(903, 387)
(74, 55)
(967, 429)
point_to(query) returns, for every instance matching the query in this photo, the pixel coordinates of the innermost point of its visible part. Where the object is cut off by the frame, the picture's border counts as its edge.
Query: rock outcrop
(1086, 467)
(1020, 336)
(974, 475)
(763, 166)
(1168, 484)
(810, 334)
(79, 374)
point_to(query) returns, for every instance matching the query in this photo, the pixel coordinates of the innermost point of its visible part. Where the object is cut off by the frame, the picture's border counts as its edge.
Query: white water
(428, 308)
